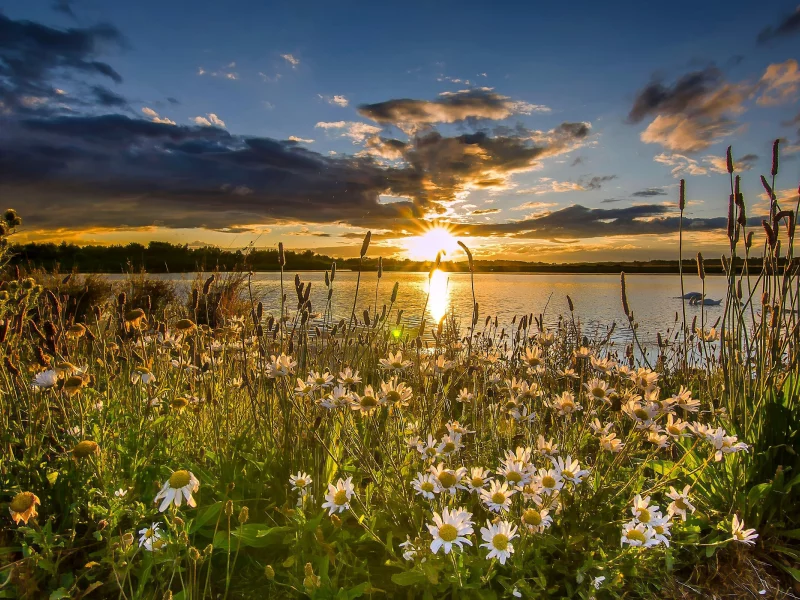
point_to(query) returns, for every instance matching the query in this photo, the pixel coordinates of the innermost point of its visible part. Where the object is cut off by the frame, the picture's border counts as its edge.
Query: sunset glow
(427, 245)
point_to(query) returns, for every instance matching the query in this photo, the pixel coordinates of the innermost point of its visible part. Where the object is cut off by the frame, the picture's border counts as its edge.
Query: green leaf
(407, 578)
(59, 594)
(253, 535)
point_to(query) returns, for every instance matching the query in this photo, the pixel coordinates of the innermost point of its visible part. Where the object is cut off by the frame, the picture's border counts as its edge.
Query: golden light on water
(428, 244)
(439, 299)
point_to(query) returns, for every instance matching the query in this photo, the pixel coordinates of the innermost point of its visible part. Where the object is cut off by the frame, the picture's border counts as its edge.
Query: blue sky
(281, 71)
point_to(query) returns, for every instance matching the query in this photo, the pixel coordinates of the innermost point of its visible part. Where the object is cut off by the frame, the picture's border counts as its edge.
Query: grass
(341, 460)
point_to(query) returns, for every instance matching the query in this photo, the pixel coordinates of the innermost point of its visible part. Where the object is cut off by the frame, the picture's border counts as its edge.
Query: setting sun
(427, 245)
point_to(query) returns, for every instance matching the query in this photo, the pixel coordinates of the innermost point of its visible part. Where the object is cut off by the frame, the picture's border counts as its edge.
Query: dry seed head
(468, 253)
(85, 448)
(682, 197)
(229, 508)
(701, 269)
(767, 188)
(729, 157)
(775, 157)
(625, 306)
(244, 515)
(365, 244)
(207, 285)
(185, 325)
(571, 305)
(281, 255)
(380, 267)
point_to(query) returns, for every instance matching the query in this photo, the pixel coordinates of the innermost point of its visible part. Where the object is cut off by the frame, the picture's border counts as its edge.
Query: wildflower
(450, 444)
(740, 534)
(545, 338)
(533, 357)
(725, 444)
(121, 493)
(319, 380)
(450, 529)
(498, 497)
(515, 472)
(348, 377)
(549, 480)
(598, 389)
(73, 385)
(642, 414)
(150, 538)
(546, 447)
(565, 404)
(568, 373)
(660, 526)
(456, 428)
(338, 397)
(85, 448)
(338, 497)
(684, 399)
(142, 375)
(426, 485)
(611, 443)
(478, 479)
(395, 362)
(603, 365)
(569, 469)
(644, 378)
(707, 335)
(521, 414)
(599, 429)
(516, 593)
(638, 535)
(536, 520)
(395, 393)
(448, 480)
(367, 403)
(180, 485)
(442, 365)
(409, 550)
(582, 353)
(45, 379)
(675, 427)
(654, 437)
(23, 507)
(680, 502)
(300, 481)
(465, 395)
(643, 511)
(498, 539)
(303, 389)
(428, 449)
(597, 582)
(281, 366)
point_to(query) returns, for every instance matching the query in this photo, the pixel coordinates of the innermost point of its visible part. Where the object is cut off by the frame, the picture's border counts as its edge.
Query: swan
(697, 301)
(690, 296)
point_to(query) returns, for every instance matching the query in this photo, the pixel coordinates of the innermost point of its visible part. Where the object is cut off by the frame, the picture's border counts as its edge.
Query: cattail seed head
(380, 267)
(701, 269)
(625, 306)
(748, 242)
(570, 304)
(365, 244)
(468, 253)
(207, 285)
(281, 255)
(682, 197)
(775, 145)
(767, 188)
(731, 217)
(729, 157)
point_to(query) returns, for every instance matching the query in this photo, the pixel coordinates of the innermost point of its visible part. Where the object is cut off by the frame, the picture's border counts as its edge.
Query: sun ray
(428, 244)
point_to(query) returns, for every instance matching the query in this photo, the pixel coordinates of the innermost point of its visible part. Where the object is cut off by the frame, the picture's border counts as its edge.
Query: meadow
(158, 446)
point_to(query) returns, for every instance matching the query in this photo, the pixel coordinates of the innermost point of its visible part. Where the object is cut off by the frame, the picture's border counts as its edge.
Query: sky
(552, 132)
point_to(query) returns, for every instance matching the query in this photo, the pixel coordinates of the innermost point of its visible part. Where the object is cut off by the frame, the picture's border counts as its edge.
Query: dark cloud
(611, 200)
(786, 27)
(596, 182)
(173, 101)
(31, 55)
(64, 7)
(485, 211)
(692, 113)
(450, 107)
(108, 99)
(746, 162)
(577, 161)
(649, 193)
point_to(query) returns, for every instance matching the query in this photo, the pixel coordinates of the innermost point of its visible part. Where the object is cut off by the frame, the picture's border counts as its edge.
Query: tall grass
(605, 477)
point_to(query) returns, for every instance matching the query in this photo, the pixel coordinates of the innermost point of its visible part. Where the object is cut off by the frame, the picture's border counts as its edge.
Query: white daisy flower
(409, 550)
(498, 497)
(565, 404)
(643, 511)
(45, 379)
(465, 395)
(546, 447)
(598, 389)
(740, 534)
(680, 502)
(478, 479)
(448, 480)
(178, 487)
(338, 497)
(150, 538)
(536, 520)
(367, 403)
(569, 469)
(395, 362)
(300, 481)
(348, 377)
(549, 480)
(450, 444)
(611, 443)
(660, 526)
(426, 485)
(638, 535)
(319, 380)
(516, 473)
(450, 529)
(395, 393)
(121, 493)
(498, 538)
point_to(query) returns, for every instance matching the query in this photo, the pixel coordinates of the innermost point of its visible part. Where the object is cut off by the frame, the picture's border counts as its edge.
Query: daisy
(450, 529)
(465, 395)
(442, 365)
(599, 429)
(498, 539)
(740, 534)
(498, 497)
(545, 338)
(121, 493)
(300, 481)
(319, 380)
(426, 485)
(23, 507)
(367, 403)
(660, 526)
(597, 582)
(569, 469)
(603, 365)
(338, 497)
(582, 353)
(654, 437)
(521, 414)
(456, 428)
(565, 404)
(428, 449)
(150, 538)
(409, 550)
(142, 375)
(45, 379)
(348, 377)
(684, 399)
(598, 389)
(281, 366)
(478, 479)
(536, 520)
(448, 480)
(303, 389)
(546, 447)
(520, 454)
(611, 443)
(726, 444)
(643, 511)
(533, 357)
(680, 502)
(568, 373)
(638, 535)
(395, 362)
(395, 393)
(515, 472)
(644, 378)
(549, 480)
(180, 485)
(449, 445)
(675, 427)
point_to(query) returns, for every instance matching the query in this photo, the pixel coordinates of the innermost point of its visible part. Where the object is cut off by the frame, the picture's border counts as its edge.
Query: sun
(427, 245)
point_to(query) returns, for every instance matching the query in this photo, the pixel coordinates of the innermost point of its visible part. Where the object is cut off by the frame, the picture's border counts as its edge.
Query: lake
(596, 298)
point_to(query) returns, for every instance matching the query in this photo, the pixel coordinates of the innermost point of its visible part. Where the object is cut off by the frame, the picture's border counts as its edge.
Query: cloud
(299, 140)
(225, 72)
(450, 107)
(536, 206)
(786, 27)
(596, 182)
(691, 114)
(647, 193)
(64, 7)
(719, 164)
(106, 98)
(31, 55)
(485, 211)
(291, 60)
(210, 120)
(270, 79)
(358, 132)
(335, 100)
(585, 184)
(155, 118)
(779, 83)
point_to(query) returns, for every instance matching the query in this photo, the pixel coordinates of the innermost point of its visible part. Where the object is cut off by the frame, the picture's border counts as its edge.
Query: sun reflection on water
(439, 299)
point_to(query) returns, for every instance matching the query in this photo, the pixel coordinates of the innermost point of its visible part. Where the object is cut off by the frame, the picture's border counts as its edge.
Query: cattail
(731, 218)
(327, 280)
(259, 310)
(748, 242)
(281, 255)
(468, 253)
(380, 267)
(10, 367)
(739, 289)
(333, 271)
(207, 285)
(701, 269)
(764, 298)
(399, 317)
(725, 265)
(571, 305)
(742, 217)
(475, 314)
(775, 157)
(625, 306)
(394, 291)
(365, 244)
(729, 157)
(307, 293)
(195, 299)
(771, 236)
(121, 299)
(767, 187)
(366, 317)
(682, 197)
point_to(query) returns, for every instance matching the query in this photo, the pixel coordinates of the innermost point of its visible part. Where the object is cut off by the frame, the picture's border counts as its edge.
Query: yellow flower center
(448, 532)
(84, 449)
(673, 430)
(514, 477)
(149, 533)
(641, 413)
(393, 396)
(22, 502)
(369, 402)
(447, 479)
(644, 516)
(300, 482)
(548, 481)
(179, 403)
(598, 392)
(430, 451)
(568, 406)
(679, 503)
(659, 529)
(532, 517)
(636, 535)
(498, 497)
(340, 498)
(179, 479)
(449, 447)
(427, 487)
(477, 482)
(500, 542)
(568, 474)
